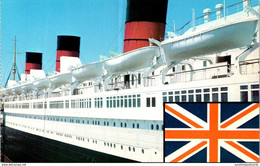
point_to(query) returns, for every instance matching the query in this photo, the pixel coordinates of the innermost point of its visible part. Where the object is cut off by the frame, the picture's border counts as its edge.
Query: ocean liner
(115, 105)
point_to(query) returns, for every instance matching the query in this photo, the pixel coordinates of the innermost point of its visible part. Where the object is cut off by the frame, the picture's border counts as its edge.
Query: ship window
(114, 102)
(117, 102)
(206, 90)
(138, 102)
(191, 98)
(243, 87)
(190, 91)
(110, 102)
(170, 93)
(244, 96)
(177, 98)
(137, 126)
(134, 102)
(164, 93)
(157, 127)
(224, 97)
(133, 125)
(139, 78)
(177, 92)
(183, 92)
(114, 123)
(183, 98)
(107, 102)
(152, 126)
(121, 102)
(254, 86)
(183, 67)
(164, 99)
(255, 96)
(214, 89)
(173, 69)
(133, 80)
(125, 125)
(170, 98)
(130, 101)
(204, 63)
(67, 103)
(125, 101)
(198, 90)
(153, 101)
(121, 124)
(206, 97)
(224, 89)
(214, 97)
(147, 102)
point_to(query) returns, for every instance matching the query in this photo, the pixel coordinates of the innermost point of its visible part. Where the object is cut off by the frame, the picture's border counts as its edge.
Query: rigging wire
(122, 27)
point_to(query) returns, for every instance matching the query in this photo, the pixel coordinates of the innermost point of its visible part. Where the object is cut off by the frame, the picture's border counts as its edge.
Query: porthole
(125, 125)
(111, 145)
(133, 125)
(137, 126)
(121, 124)
(129, 148)
(122, 147)
(134, 149)
(157, 127)
(152, 126)
(142, 150)
(104, 144)
(114, 145)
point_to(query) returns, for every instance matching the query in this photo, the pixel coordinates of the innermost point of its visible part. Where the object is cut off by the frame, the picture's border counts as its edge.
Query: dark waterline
(23, 147)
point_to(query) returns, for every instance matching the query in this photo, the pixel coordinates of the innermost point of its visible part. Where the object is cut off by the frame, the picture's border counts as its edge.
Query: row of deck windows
(126, 101)
(197, 95)
(244, 93)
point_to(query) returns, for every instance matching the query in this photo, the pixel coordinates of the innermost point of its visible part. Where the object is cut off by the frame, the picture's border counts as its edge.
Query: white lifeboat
(88, 71)
(132, 61)
(60, 79)
(221, 37)
(41, 84)
(27, 87)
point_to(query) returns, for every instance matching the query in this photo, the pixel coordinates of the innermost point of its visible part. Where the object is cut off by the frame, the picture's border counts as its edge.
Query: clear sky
(100, 24)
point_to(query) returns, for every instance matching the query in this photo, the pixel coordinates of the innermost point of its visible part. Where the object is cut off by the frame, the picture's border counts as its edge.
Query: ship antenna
(14, 67)
(14, 63)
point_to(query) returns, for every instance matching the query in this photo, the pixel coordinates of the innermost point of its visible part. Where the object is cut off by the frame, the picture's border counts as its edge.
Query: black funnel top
(69, 43)
(33, 57)
(146, 10)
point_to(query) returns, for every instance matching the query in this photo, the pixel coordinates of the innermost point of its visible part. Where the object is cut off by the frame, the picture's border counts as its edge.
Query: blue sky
(100, 24)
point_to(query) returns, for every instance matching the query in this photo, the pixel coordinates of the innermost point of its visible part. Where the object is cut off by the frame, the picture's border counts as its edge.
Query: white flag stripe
(187, 114)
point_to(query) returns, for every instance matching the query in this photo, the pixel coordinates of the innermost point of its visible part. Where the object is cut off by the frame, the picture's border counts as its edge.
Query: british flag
(211, 132)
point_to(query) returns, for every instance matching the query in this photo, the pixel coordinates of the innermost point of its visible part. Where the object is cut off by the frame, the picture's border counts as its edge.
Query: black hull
(23, 147)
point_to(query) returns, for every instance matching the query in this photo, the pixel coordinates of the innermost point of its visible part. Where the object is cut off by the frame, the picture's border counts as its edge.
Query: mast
(14, 63)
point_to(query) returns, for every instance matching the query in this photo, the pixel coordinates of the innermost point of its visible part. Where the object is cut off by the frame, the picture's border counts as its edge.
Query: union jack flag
(211, 132)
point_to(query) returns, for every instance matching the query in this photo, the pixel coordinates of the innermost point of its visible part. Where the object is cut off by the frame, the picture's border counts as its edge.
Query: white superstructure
(115, 106)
